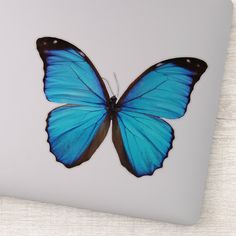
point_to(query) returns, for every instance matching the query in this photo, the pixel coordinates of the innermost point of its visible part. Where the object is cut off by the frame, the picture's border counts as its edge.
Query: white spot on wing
(188, 60)
(82, 54)
(159, 64)
(55, 41)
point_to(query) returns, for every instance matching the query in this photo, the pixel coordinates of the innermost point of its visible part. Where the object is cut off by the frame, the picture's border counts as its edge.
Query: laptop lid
(80, 46)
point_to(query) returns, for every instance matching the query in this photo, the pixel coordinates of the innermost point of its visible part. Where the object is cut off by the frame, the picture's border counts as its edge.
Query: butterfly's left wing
(141, 137)
(76, 130)
(70, 77)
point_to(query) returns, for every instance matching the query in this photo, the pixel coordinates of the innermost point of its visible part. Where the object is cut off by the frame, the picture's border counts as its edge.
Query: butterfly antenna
(117, 85)
(109, 86)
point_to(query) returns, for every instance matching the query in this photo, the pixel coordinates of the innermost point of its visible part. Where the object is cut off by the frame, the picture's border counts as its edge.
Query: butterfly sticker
(140, 134)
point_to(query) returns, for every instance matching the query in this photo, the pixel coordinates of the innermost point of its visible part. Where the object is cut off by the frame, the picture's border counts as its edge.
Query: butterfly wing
(70, 77)
(76, 130)
(142, 142)
(164, 89)
(142, 139)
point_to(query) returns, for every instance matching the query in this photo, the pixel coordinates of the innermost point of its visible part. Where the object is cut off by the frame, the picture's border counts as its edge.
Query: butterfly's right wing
(142, 138)
(142, 141)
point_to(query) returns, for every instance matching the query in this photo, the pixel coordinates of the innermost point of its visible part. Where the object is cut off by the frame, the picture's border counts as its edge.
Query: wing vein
(87, 85)
(139, 96)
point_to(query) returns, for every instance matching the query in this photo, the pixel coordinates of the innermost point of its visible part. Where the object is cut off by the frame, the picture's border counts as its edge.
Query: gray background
(125, 38)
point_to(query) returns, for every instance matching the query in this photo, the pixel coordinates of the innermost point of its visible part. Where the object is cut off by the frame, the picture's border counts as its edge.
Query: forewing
(70, 77)
(164, 89)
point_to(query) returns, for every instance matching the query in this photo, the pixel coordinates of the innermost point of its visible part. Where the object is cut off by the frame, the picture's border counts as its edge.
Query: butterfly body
(113, 107)
(140, 133)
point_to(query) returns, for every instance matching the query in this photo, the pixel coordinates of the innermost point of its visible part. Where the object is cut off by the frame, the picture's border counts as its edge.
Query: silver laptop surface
(111, 105)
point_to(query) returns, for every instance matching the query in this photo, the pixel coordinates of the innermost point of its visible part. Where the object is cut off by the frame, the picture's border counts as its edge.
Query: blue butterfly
(140, 135)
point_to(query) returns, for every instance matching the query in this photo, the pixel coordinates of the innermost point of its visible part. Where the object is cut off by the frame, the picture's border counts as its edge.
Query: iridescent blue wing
(142, 139)
(70, 77)
(164, 89)
(76, 130)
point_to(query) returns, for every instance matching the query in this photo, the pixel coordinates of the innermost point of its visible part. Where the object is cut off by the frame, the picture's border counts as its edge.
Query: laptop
(111, 105)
